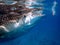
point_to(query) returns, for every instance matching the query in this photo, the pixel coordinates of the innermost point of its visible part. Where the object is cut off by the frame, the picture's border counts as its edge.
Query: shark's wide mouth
(14, 22)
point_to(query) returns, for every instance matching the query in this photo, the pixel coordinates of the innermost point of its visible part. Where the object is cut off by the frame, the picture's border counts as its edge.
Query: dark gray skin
(18, 12)
(6, 16)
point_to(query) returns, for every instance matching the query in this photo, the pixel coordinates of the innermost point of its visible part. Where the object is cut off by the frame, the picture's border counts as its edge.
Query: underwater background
(46, 31)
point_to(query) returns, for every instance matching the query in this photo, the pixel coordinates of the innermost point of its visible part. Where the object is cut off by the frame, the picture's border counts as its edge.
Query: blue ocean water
(46, 30)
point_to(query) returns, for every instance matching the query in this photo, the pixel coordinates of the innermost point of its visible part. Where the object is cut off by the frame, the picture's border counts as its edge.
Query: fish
(12, 13)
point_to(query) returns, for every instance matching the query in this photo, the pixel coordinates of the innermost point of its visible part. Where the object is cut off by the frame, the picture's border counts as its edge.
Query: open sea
(44, 30)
